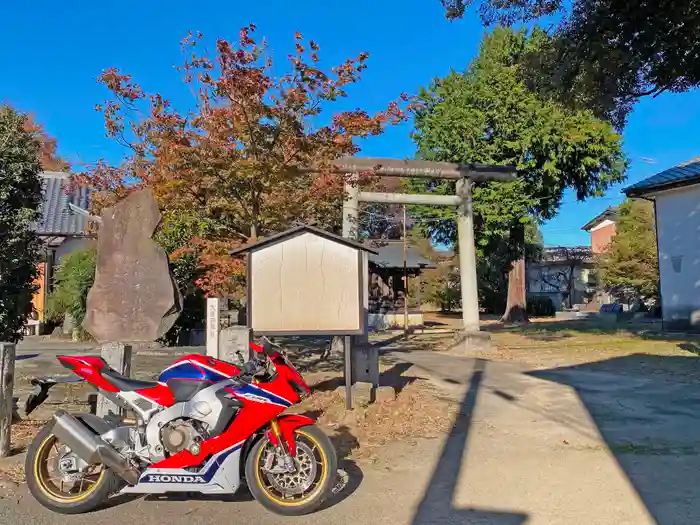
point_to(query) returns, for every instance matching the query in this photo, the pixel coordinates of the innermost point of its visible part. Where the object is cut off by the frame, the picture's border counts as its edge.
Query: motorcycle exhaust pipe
(90, 447)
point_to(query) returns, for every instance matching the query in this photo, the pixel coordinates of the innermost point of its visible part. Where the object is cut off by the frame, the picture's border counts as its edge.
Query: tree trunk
(572, 286)
(516, 306)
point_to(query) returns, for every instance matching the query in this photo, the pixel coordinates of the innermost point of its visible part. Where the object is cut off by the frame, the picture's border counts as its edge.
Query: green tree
(488, 115)
(631, 263)
(493, 268)
(174, 235)
(72, 282)
(608, 53)
(20, 198)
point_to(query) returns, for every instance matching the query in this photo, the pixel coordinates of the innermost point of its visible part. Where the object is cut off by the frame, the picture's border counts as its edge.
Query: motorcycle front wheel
(306, 488)
(66, 493)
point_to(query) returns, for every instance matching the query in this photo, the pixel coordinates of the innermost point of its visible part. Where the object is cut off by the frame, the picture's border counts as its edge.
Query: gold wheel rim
(45, 482)
(322, 466)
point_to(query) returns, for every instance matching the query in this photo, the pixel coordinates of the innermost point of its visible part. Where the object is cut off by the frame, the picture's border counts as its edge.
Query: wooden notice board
(306, 281)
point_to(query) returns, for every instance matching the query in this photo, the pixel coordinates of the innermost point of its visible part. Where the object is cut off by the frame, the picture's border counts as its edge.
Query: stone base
(385, 394)
(363, 393)
(118, 357)
(234, 343)
(471, 342)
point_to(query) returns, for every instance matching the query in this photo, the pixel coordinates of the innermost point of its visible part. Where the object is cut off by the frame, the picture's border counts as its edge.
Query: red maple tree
(232, 163)
(49, 158)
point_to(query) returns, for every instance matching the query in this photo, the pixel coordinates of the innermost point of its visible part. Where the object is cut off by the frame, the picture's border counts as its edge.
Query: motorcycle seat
(126, 384)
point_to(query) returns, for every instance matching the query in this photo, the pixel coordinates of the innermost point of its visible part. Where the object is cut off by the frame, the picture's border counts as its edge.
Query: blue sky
(54, 51)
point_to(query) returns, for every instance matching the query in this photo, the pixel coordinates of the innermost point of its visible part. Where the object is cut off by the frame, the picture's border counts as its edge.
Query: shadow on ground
(243, 494)
(557, 330)
(648, 417)
(349, 479)
(437, 503)
(391, 377)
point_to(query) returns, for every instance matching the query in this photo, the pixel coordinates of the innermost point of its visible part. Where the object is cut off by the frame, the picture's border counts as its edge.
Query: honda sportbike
(205, 426)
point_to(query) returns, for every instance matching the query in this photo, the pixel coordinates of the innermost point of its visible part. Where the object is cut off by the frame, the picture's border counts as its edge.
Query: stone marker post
(7, 378)
(213, 327)
(118, 357)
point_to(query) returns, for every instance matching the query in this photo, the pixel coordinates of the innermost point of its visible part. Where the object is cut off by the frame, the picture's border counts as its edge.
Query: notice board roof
(298, 230)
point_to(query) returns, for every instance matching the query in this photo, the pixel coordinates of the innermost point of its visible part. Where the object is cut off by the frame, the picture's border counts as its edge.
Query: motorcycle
(205, 426)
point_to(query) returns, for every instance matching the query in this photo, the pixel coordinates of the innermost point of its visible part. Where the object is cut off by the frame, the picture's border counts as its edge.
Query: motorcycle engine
(179, 435)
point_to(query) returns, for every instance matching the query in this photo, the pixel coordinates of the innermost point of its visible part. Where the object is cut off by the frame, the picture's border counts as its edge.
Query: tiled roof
(56, 216)
(682, 175)
(610, 213)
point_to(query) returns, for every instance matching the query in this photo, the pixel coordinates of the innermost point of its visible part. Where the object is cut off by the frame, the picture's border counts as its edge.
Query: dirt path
(600, 441)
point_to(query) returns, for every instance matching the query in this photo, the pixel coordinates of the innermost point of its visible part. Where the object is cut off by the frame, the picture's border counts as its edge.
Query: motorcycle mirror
(257, 348)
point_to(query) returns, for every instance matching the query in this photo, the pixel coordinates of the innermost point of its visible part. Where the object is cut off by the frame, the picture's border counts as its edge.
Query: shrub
(538, 306)
(72, 281)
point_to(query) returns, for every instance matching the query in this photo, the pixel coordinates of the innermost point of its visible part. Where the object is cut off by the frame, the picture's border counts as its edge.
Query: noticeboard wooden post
(305, 282)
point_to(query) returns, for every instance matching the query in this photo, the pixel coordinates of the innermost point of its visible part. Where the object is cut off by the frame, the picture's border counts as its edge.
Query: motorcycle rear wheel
(51, 492)
(316, 456)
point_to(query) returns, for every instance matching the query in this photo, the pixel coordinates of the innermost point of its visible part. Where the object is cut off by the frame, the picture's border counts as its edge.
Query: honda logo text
(172, 478)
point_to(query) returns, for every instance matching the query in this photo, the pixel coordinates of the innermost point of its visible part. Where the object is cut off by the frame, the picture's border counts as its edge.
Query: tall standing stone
(134, 298)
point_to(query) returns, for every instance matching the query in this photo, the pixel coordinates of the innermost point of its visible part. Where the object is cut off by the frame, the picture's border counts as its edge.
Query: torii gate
(365, 360)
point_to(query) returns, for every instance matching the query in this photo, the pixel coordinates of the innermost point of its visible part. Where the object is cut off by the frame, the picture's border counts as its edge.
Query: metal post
(7, 379)
(467, 257)
(348, 373)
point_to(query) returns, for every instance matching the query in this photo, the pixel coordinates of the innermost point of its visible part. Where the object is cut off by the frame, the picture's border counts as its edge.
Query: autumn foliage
(233, 162)
(48, 157)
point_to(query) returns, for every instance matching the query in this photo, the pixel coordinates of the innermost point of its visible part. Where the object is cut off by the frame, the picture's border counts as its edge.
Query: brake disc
(300, 480)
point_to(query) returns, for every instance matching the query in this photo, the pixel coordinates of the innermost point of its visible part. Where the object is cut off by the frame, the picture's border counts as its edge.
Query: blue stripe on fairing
(191, 371)
(207, 473)
(257, 391)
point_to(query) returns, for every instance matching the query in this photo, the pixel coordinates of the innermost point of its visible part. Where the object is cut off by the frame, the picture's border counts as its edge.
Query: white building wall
(678, 225)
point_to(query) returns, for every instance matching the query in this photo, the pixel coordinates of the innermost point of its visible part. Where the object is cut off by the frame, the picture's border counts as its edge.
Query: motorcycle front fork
(282, 451)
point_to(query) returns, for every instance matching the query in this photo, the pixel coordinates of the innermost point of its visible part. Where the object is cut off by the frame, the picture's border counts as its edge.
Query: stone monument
(134, 298)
